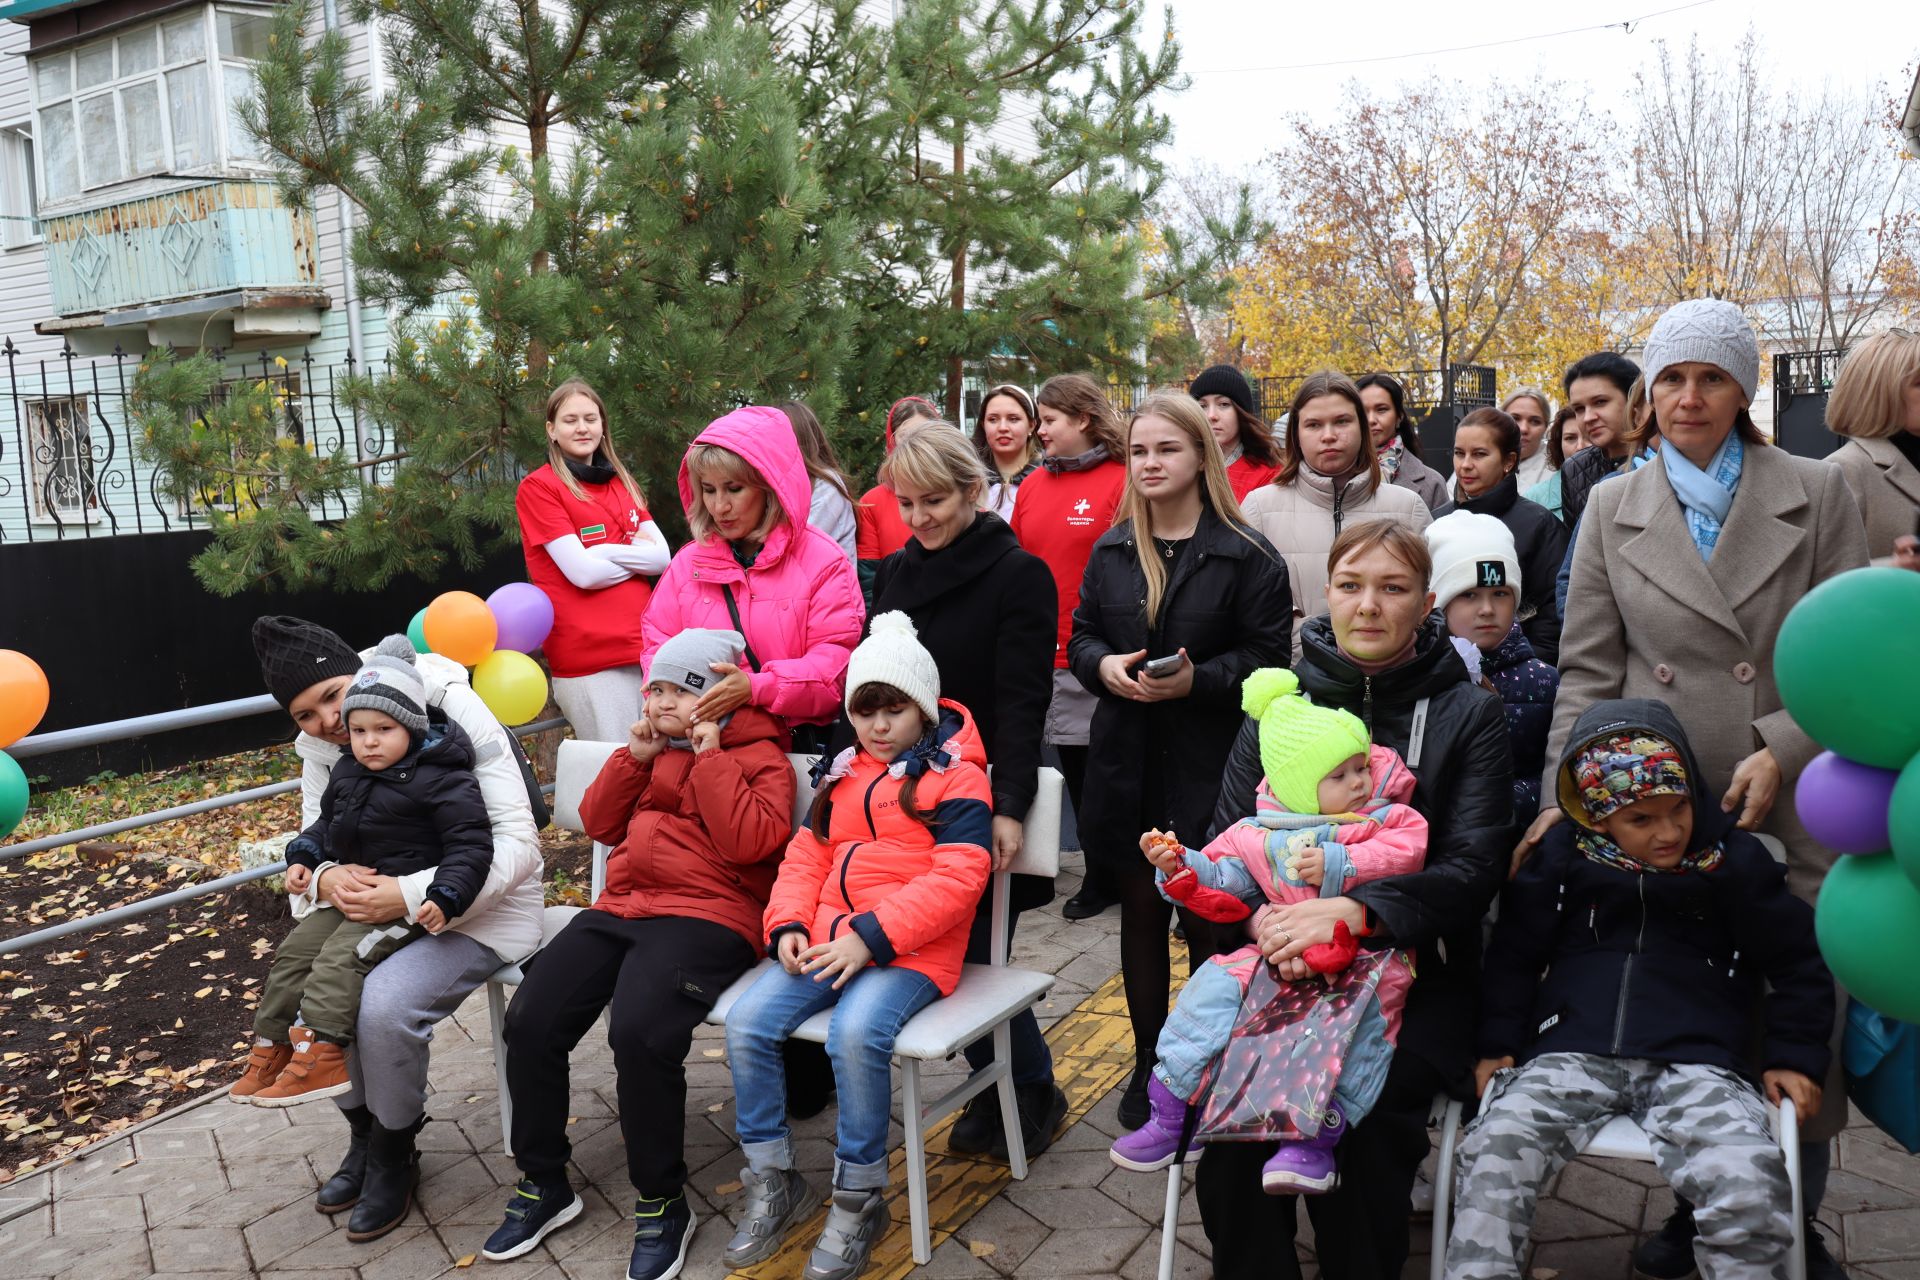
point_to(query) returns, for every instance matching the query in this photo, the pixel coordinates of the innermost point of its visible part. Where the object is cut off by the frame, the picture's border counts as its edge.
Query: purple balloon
(1844, 805)
(525, 616)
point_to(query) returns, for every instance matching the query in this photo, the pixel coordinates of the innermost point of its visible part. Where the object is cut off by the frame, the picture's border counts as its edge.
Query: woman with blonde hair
(1329, 479)
(1875, 404)
(590, 545)
(1531, 411)
(1063, 509)
(1182, 599)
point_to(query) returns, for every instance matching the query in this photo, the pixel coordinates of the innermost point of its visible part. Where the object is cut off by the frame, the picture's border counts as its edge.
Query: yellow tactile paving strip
(1092, 1054)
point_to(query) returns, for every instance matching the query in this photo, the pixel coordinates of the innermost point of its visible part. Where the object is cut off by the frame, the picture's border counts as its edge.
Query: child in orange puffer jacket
(869, 917)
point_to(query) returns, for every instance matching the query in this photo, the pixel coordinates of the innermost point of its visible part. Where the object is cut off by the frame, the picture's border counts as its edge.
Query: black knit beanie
(1224, 380)
(296, 654)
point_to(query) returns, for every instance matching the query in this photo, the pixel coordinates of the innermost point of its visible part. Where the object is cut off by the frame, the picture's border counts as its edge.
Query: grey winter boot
(854, 1224)
(775, 1201)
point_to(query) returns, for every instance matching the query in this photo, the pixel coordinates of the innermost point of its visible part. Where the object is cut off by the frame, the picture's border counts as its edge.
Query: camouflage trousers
(1708, 1131)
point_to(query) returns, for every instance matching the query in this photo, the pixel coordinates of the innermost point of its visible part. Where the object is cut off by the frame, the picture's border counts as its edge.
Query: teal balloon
(1903, 819)
(13, 795)
(1868, 922)
(1846, 670)
(417, 632)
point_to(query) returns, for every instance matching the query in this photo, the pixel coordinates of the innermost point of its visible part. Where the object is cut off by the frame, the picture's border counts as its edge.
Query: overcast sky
(1245, 56)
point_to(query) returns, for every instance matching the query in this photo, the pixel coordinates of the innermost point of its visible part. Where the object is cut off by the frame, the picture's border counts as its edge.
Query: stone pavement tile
(1905, 1269)
(1145, 1194)
(448, 1186)
(1056, 1168)
(1880, 1235)
(1864, 1153)
(119, 1174)
(421, 1254)
(268, 1127)
(1145, 1262)
(1082, 1206)
(1644, 1172)
(1013, 1233)
(105, 1213)
(951, 1260)
(1559, 1220)
(1088, 968)
(1105, 1116)
(324, 1273)
(23, 1231)
(1604, 1193)
(1850, 1192)
(334, 1249)
(288, 1229)
(196, 1250)
(600, 1215)
(162, 1140)
(223, 1208)
(1084, 1251)
(1607, 1258)
(122, 1253)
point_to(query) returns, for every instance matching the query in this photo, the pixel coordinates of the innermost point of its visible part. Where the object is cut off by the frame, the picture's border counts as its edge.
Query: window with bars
(60, 456)
(232, 495)
(161, 98)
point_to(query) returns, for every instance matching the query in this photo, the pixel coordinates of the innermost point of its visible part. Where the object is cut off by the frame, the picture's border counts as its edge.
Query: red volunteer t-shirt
(1058, 518)
(879, 530)
(592, 630)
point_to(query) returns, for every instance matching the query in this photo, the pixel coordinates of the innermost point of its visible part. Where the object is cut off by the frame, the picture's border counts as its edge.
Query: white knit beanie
(1710, 331)
(1471, 550)
(892, 654)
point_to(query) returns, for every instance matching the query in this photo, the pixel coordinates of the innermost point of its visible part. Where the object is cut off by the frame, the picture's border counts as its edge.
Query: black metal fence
(1801, 381)
(69, 466)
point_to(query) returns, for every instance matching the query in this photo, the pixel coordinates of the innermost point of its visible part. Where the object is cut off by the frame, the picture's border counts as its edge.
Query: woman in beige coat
(1875, 402)
(1682, 575)
(1329, 479)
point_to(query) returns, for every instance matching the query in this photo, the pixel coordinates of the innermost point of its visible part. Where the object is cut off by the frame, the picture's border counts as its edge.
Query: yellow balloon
(512, 685)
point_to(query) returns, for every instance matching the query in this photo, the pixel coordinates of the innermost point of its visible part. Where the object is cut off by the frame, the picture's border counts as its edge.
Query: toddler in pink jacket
(754, 565)
(1332, 812)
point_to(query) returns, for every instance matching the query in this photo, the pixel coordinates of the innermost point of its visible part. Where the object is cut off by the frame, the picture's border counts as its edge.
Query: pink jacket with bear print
(800, 604)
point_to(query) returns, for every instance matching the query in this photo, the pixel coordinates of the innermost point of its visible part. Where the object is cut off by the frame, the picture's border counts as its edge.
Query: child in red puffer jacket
(869, 917)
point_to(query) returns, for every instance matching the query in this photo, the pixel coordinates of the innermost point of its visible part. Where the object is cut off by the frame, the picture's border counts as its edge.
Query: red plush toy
(1332, 957)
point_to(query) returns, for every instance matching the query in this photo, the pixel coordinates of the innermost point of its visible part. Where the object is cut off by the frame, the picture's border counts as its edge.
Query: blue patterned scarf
(1706, 493)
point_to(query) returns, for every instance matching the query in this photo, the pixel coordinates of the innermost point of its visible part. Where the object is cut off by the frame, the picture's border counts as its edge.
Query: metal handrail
(139, 726)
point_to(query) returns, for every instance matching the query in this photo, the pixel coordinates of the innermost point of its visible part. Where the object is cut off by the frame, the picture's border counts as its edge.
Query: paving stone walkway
(221, 1191)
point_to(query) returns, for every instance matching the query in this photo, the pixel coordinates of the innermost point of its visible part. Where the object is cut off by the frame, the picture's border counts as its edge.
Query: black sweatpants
(657, 978)
(1360, 1228)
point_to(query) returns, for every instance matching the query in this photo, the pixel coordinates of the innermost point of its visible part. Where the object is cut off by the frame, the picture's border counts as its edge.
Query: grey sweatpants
(603, 706)
(404, 996)
(1708, 1130)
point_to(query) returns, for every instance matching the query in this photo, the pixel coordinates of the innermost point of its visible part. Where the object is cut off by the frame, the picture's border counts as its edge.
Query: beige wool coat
(1886, 486)
(1648, 618)
(1302, 519)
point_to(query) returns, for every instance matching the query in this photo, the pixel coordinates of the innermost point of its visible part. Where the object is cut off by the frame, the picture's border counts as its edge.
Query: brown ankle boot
(318, 1069)
(264, 1066)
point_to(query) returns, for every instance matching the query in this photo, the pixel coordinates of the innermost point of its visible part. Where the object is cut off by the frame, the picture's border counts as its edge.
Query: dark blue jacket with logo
(1589, 958)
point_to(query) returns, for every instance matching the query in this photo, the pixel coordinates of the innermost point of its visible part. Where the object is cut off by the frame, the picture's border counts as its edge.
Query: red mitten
(1335, 956)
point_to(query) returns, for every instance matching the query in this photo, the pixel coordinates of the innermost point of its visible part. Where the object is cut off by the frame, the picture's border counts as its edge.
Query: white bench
(986, 1000)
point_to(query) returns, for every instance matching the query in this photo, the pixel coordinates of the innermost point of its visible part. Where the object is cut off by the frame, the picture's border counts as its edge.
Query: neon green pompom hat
(1299, 743)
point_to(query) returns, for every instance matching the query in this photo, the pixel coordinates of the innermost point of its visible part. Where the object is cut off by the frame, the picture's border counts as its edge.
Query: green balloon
(1868, 922)
(1845, 665)
(13, 795)
(417, 632)
(1903, 819)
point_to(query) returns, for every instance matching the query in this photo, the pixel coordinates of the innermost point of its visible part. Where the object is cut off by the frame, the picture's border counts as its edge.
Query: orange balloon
(23, 696)
(460, 626)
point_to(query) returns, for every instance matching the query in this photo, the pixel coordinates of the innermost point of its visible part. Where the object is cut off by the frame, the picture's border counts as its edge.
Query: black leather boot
(386, 1194)
(342, 1190)
(1042, 1107)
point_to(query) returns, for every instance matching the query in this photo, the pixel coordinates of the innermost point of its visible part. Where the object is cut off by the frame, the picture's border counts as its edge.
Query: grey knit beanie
(1710, 331)
(687, 659)
(390, 683)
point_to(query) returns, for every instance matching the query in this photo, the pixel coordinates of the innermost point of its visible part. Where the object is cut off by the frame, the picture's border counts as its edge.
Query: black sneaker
(978, 1128)
(1042, 1107)
(533, 1214)
(1667, 1254)
(662, 1234)
(1821, 1265)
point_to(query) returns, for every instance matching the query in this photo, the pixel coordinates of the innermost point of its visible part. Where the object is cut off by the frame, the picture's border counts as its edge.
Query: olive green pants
(319, 971)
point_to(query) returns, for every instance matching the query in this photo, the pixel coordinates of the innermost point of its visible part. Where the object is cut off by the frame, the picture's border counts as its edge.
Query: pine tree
(610, 189)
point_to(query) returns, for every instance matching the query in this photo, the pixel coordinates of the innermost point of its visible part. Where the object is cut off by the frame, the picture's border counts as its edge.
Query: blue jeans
(1197, 1031)
(873, 1006)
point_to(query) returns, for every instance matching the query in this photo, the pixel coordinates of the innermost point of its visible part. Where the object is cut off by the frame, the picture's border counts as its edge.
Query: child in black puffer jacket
(1632, 955)
(406, 800)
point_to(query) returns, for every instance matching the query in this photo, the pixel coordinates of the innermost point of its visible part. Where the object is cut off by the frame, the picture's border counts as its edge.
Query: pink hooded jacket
(800, 604)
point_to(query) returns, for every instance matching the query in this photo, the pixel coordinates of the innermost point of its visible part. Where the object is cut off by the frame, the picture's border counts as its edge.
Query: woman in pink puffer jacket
(755, 565)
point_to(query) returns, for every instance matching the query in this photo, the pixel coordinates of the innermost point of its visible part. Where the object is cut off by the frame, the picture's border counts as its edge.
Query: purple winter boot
(1306, 1166)
(1153, 1145)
